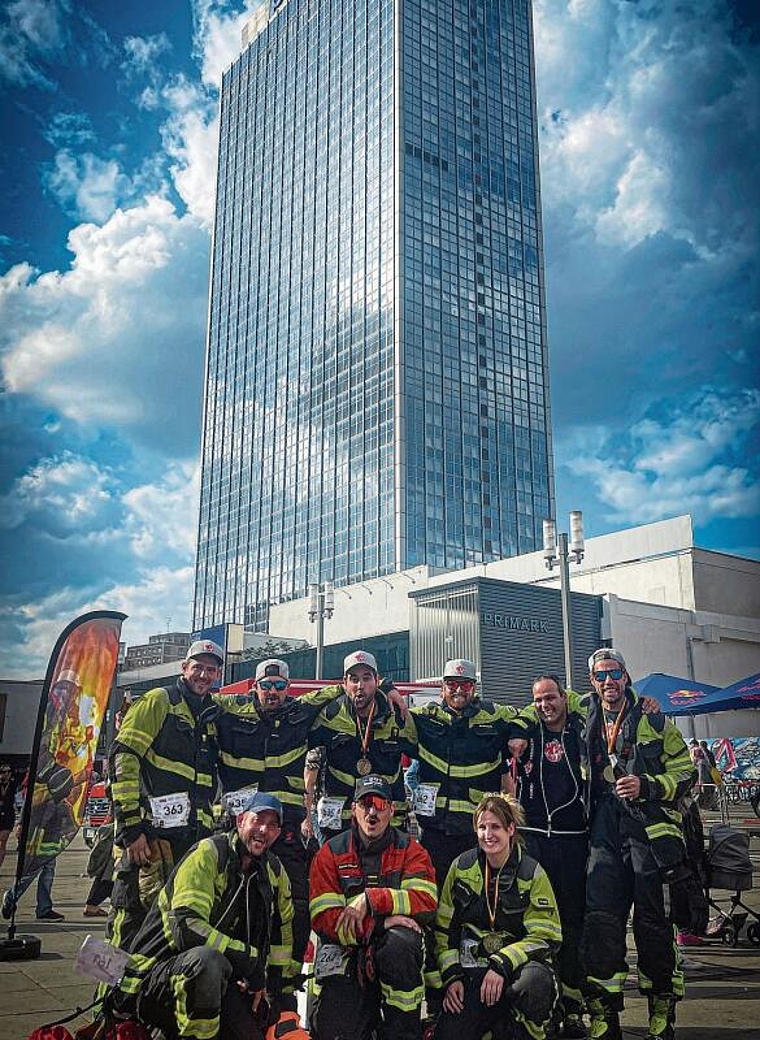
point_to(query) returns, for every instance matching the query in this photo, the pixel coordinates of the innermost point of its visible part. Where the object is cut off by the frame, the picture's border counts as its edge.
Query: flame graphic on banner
(72, 708)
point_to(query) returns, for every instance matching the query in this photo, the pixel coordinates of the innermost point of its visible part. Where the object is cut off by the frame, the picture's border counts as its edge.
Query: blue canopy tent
(742, 694)
(706, 711)
(674, 695)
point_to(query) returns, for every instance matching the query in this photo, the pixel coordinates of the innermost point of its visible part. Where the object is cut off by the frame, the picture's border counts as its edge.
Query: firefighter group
(536, 832)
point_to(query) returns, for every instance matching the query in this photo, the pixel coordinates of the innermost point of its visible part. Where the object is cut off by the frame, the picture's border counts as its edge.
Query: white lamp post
(321, 608)
(557, 553)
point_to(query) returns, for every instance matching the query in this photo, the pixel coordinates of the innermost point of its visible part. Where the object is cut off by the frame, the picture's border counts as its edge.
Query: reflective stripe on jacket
(163, 749)
(527, 919)
(209, 900)
(397, 879)
(465, 755)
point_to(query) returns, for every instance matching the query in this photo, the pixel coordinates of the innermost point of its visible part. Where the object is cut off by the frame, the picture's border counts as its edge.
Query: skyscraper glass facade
(376, 377)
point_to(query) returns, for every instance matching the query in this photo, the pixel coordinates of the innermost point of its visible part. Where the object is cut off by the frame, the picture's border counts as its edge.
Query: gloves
(690, 909)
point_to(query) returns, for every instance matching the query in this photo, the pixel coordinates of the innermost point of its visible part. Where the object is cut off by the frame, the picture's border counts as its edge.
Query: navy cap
(262, 800)
(373, 784)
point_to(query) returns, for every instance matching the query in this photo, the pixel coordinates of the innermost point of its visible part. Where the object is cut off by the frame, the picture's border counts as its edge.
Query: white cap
(606, 653)
(460, 668)
(272, 668)
(358, 658)
(205, 646)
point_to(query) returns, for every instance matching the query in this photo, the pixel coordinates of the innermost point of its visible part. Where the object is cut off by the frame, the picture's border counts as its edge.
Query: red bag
(288, 1027)
(51, 1033)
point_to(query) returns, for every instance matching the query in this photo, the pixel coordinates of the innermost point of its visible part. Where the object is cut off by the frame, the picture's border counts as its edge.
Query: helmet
(288, 1026)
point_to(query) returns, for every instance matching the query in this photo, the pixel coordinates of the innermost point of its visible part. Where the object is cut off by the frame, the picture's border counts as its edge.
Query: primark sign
(513, 622)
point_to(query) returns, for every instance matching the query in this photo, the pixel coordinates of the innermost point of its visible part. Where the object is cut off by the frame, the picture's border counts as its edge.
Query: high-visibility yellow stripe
(460, 772)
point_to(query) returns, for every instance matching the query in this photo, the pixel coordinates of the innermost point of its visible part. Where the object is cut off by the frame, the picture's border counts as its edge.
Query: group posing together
(541, 829)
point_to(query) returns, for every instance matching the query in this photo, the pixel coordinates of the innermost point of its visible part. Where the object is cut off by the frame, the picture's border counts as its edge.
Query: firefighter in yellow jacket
(163, 772)
(497, 930)
(213, 957)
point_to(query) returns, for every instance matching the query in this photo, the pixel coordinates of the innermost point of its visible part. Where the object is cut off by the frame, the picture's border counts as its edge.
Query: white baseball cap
(205, 646)
(460, 668)
(272, 668)
(358, 658)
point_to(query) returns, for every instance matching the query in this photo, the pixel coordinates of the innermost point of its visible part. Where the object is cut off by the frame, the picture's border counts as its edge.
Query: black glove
(689, 907)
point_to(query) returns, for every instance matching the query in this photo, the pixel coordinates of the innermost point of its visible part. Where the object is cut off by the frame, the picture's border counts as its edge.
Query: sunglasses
(267, 684)
(459, 684)
(613, 673)
(374, 801)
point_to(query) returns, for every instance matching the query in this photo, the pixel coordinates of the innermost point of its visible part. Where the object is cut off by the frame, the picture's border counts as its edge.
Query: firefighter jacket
(211, 900)
(651, 747)
(266, 750)
(462, 757)
(163, 768)
(526, 921)
(394, 873)
(338, 730)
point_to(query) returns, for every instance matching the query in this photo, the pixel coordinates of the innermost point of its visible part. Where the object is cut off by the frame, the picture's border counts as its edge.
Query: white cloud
(30, 30)
(132, 549)
(142, 51)
(121, 332)
(643, 108)
(164, 515)
(65, 495)
(218, 36)
(86, 185)
(153, 596)
(691, 460)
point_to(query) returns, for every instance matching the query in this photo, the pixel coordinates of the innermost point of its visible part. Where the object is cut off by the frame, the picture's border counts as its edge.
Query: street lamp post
(321, 608)
(558, 553)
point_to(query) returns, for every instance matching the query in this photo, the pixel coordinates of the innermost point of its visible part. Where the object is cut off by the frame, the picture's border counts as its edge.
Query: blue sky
(650, 136)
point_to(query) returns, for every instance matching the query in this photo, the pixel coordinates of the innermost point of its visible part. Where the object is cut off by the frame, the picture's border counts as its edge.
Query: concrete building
(667, 604)
(377, 376)
(168, 646)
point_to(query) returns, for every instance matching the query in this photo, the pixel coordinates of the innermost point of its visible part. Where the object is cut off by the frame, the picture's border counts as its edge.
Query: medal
(612, 736)
(364, 766)
(492, 940)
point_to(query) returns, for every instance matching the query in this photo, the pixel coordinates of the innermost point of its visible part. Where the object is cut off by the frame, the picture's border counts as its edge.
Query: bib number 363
(170, 810)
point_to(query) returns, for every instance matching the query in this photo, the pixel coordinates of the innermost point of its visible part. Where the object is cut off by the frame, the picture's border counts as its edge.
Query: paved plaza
(723, 984)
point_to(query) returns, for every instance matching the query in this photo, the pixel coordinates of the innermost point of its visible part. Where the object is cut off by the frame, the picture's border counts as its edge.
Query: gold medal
(492, 942)
(609, 774)
(364, 767)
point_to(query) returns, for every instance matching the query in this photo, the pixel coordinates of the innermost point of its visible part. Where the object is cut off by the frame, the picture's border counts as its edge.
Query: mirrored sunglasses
(267, 684)
(460, 684)
(613, 673)
(374, 801)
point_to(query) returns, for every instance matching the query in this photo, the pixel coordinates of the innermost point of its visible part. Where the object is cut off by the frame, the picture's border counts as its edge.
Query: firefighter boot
(662, 1017)
(605, 1023)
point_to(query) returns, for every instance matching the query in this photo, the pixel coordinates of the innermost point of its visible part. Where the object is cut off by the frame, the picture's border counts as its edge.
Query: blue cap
(260, 801)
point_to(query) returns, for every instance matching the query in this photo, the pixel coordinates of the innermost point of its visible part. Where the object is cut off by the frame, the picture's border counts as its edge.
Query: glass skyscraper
(377, 388)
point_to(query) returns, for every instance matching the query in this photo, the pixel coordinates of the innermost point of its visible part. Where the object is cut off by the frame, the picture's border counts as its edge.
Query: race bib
(330, 813)
(170, 810)
(234, 801)
(100, 961)
(331, 960)
(424, 799)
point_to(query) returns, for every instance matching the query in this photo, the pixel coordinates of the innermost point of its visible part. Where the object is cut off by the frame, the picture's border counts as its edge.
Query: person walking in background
(44, 876)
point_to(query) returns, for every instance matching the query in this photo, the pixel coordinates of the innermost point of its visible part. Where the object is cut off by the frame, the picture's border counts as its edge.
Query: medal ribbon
(366, 736)
(612, 737)
(492, 911)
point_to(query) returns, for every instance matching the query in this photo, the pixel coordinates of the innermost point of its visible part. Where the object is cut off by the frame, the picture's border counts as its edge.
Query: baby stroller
(730, 868)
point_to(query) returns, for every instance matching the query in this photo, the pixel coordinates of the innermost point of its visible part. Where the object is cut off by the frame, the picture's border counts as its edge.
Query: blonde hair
(505, 808)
